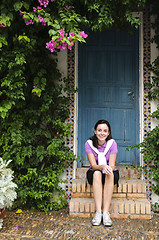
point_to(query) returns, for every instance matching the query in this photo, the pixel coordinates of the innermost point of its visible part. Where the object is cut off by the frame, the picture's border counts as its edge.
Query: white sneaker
(96, 221)
(106, 219)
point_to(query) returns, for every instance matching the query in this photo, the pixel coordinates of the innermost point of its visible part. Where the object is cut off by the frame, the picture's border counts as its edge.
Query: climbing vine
(150, 146)
(34, 97)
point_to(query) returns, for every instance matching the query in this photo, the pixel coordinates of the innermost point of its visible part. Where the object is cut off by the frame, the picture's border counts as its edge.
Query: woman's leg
(97, 189)
(108, 191)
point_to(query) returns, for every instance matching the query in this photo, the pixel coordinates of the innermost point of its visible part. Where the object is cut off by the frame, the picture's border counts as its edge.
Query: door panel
(108, 89)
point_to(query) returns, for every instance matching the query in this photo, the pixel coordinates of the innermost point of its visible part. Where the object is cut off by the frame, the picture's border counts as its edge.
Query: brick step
(120, 208)
(127, 189)
(125, 173)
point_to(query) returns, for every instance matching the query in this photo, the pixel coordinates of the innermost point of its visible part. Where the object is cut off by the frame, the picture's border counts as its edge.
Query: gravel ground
(59, 225)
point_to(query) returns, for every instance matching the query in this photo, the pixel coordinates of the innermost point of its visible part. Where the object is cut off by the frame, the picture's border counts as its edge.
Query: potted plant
(7, 189)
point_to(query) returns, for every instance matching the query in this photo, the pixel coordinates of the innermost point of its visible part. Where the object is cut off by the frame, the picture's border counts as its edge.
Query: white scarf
(101, 155)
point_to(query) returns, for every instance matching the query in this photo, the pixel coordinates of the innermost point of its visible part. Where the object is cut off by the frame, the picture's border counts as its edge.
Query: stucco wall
(62, 66)
(154, 54)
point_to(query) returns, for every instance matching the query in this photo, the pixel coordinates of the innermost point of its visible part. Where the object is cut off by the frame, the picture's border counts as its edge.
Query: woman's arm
(93, 163)
(105, 168)
(112, 159)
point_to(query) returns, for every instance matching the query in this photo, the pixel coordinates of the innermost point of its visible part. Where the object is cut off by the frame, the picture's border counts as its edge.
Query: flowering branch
(60, 39)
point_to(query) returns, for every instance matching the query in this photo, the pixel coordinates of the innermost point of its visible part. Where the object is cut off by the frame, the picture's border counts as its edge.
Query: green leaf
(18, 6)
(26, 5)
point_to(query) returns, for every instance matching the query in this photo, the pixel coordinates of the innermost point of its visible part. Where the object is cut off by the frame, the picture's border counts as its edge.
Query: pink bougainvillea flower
(44, 2)
(83, 34)
(68, 7)
(72, 34)
(39, 8)
(20, 12)
(29, 22)
(2, 25)
(51, 46)
(34, 86)
(70, 46)
(34, 9)
(16, 227)
(59, 39)
(62, 32)
(41, 19)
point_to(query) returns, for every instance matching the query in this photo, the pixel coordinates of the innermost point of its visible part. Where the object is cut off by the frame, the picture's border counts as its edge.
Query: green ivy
(34, 98)
(150, 146)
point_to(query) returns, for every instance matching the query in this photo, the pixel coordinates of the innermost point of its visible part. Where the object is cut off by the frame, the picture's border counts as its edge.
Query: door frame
(141, 92)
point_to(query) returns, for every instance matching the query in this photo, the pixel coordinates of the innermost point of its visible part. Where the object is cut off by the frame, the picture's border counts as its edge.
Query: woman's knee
(97, 176)
(109, 178)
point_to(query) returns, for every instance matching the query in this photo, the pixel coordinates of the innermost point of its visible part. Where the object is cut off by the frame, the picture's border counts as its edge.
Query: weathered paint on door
(108, 89)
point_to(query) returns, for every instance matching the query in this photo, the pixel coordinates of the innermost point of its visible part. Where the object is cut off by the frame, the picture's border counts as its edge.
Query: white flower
(1, 223)
(7, 186)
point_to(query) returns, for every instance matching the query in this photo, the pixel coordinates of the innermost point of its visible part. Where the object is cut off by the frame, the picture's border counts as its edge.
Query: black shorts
(91, 172)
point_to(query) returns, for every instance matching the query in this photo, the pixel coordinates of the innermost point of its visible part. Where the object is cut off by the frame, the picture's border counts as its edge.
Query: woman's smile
(102, 133)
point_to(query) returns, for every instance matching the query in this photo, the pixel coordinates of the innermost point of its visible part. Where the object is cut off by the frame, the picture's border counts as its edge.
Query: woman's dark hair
(94, 138)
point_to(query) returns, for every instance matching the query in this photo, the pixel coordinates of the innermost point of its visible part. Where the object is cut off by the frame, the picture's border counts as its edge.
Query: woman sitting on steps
(101, 151)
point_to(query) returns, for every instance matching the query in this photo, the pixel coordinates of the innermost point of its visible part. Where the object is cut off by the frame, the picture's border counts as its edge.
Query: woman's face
(102, 132)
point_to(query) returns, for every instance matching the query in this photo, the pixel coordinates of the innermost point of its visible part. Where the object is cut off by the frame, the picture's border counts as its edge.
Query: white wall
(62, 66)
(154, 54)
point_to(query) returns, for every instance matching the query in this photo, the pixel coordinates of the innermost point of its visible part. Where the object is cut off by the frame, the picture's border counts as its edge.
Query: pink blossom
(29, 22)
(69, 47)
(83, 34)
(21, 13)
(41, 19)
(68, 7)
(16, 227)
(2, 25)
(39, 8)
(51, 46)
(62, 32)
(44, 2)
(59, 47)
(34, 9)
(64, 46)
(34, 86)
(72, 34)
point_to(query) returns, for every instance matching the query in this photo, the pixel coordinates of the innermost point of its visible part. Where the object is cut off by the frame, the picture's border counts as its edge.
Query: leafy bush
(34, 99)
(34, 108)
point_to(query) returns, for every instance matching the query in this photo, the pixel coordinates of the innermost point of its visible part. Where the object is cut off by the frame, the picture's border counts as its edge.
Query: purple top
(112, 150)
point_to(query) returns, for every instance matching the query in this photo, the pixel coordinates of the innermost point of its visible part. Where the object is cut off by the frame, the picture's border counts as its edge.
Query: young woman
(102, 177)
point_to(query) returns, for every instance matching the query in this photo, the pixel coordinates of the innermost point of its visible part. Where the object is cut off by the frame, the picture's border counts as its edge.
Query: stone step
(127, 189)
(125, 173)
(119, 208)
(129, 199)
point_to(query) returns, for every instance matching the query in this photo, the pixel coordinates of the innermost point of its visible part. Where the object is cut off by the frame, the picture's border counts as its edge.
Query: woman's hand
(107, 169)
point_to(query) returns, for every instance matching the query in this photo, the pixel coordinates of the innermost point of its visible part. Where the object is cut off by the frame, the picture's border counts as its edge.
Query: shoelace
(97, 215)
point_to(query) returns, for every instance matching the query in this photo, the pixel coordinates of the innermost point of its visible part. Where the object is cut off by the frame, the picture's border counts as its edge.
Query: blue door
(108, 89)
